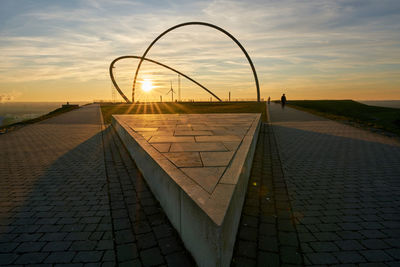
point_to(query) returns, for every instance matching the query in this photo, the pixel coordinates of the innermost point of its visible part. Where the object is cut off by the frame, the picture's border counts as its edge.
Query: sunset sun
(147, 85)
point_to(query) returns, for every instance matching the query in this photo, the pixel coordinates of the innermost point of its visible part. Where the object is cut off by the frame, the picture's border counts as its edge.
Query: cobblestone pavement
(61, 205)
(344, 189)
(267, 234)
(70, 195)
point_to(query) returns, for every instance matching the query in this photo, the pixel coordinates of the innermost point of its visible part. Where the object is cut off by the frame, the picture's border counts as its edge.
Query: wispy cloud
(9, 96)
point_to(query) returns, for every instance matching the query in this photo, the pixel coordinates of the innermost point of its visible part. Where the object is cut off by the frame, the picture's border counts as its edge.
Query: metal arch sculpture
(195, 23)
(155, 62)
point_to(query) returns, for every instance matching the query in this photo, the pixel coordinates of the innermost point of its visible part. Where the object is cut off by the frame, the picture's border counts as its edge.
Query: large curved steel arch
(203, 24)
(155, 62)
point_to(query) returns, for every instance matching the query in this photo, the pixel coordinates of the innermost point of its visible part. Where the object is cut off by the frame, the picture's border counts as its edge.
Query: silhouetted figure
(283, 100)
(269, 100)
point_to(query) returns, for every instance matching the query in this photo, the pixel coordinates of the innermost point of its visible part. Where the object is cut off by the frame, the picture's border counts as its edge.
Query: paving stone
(83, 245)
(97, 264)
(290, 255)
(249, 221)
(69, 265)
(73, 228)
(248, 233)
(372, 234)
(306, 237)
(77, 236)
(372, 264)
(147, 240)
(374, 244)
(31, 258)
(349, 257)
(214, 159)
(96, 236)
(88, 256)
(109, 255)
(179, 259)
(57, 246)
(187, 147)
(395, 253)
(124, 236)
(7, 258)
(267, 259)
(104, 245)
(151, 257)
(288, 238)
(345, 235)
(327, 236)
(53, 237)
(162, 231)
(141, 227)
(49, 229)
(376, 255)
(135, 263)
(169, 245)
(247, 249)
(184, 159)
(321, 258)
(30, 247)
(323, 246)
(7, 247)
(243, 262)
(348, 245)
(267, 229)
(127, 252)
(27, 237)
(23, 229)
(60, 257)
(268, 243)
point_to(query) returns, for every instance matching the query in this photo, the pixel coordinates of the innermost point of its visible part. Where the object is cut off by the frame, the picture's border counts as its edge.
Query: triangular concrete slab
(197, 165)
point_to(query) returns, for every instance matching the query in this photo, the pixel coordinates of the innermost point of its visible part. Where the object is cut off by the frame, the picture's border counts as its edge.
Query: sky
(53, 50)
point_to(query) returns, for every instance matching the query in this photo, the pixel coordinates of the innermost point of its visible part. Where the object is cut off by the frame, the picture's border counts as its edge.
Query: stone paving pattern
(344, 188)
(267, 233)
(321, 193)
(341, 203)
(68, 200)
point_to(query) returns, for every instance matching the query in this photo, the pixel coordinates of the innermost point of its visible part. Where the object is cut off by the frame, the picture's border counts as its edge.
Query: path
(69, 193)
(344, 189)
(67, 198)
(344, 185)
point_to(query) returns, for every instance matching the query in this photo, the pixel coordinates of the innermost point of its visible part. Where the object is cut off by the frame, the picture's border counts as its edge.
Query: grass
(349, 111)
(183, 108)
(56, 112)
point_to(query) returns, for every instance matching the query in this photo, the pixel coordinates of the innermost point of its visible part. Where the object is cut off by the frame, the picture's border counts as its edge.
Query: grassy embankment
(355, 113)
(56, 112)
(183, 108)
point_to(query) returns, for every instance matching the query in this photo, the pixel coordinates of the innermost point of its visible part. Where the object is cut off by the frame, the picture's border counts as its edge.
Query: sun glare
(147, 85)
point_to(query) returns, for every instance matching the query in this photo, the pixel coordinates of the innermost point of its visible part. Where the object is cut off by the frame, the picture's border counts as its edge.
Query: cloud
(6, 97)
(307, 41)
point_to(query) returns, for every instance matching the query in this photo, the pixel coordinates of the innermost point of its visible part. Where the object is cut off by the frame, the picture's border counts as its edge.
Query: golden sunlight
(147, 85)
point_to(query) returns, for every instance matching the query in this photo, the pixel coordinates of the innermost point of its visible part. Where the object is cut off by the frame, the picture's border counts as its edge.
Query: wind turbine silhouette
(172, 92)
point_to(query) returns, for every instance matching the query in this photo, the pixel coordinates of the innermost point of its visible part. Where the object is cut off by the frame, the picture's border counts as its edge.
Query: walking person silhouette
(283, 100)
